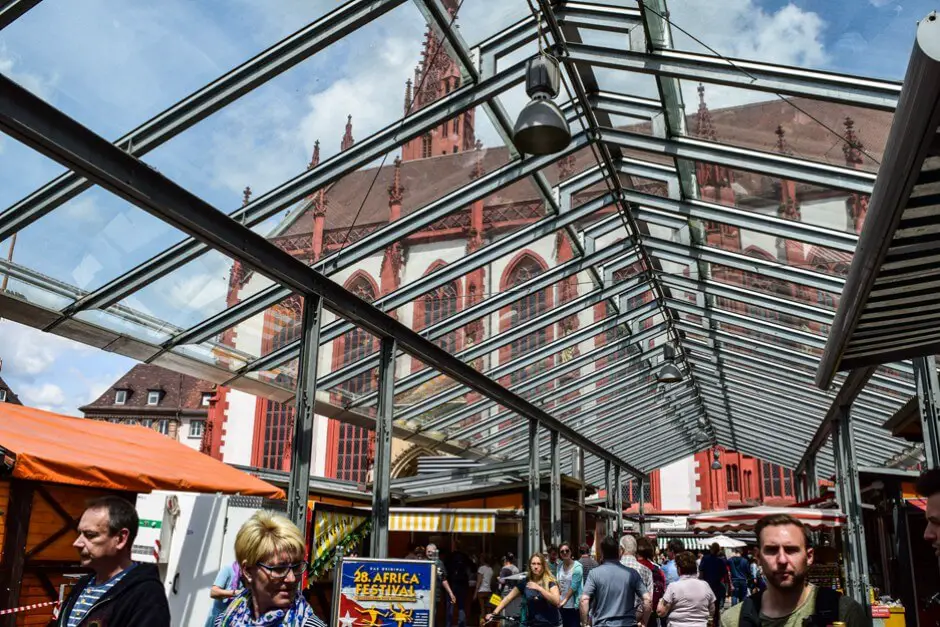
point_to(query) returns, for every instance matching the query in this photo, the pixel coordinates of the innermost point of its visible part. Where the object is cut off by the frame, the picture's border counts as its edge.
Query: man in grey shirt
(611, 592)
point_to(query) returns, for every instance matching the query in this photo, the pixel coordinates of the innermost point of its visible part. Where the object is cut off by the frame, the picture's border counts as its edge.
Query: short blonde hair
(265, 535)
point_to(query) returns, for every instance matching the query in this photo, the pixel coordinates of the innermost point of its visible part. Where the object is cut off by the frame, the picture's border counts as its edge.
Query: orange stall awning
(74, 451)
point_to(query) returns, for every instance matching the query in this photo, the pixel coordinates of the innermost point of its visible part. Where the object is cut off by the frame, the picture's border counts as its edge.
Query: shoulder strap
(826, 610)
(750, 611)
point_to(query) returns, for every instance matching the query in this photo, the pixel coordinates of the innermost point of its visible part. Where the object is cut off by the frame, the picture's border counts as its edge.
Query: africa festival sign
(384, 593)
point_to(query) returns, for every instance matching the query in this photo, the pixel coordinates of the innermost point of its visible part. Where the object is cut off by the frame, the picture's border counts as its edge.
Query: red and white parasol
(744, 519)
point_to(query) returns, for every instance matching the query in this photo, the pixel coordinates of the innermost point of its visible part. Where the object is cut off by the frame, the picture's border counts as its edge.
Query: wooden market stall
(51, 465)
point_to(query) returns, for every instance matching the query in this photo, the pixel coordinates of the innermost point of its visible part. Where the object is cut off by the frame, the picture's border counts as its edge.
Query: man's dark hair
(585, 549)
(714, 548)
(685, 563)
(776, 520)
(610, 549)
(121, 515)
(928, 483)
(645, 548)
(676, 546)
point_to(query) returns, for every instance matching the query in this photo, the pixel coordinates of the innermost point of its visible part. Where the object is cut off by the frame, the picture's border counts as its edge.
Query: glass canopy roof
(706, 201)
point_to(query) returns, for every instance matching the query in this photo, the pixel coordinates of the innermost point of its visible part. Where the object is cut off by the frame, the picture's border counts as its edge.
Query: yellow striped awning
(442, 520)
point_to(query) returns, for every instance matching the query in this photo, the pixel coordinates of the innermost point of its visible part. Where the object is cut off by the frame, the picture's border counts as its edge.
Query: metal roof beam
(746, 74)
(40, 126)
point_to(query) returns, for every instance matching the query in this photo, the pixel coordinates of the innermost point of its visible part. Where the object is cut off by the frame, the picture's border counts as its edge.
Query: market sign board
(384, 593)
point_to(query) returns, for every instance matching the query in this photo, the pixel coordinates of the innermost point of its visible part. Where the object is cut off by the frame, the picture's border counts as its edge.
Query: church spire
(348, 140)
(395, 190)
(407, 96)
(704, 127)
(853, 147)
(478, 169)
(782, 146)
(315, 159)
(246, 196)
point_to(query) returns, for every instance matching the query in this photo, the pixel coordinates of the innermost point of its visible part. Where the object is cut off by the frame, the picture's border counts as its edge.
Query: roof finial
(478, 169)
(348, 140)
(315, 160)
(246, 196)
(395, 190)
(407, 96)
(853, 147)
(782, 146)
(704, 127)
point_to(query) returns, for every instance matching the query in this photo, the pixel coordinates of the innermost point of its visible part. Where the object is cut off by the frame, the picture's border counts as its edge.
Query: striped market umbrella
(744, 519)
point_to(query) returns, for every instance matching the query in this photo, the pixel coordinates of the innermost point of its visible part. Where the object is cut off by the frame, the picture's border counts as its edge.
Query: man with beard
(790, 600)
(928, 486)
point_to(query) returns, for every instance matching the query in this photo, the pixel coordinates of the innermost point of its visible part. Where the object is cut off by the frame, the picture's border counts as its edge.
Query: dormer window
(153, 397)
(3, 396)
(120, 397)
(206, 398)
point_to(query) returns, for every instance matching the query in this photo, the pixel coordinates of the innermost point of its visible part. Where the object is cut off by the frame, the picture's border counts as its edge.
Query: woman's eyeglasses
(564, 552)
(280, 571)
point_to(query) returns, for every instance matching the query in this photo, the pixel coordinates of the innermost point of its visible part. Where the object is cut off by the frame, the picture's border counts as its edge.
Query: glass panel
(92, 239)
(197, 291)
(863, 39)
(480, 20)
(24, 170)
(113, 64)
(815, 130)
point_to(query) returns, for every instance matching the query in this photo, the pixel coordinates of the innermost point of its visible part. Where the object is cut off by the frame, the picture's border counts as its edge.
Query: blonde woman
(270, 551)
(541, 595)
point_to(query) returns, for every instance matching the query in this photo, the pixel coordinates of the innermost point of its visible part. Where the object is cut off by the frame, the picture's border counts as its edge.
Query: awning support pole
(298, 483)
(382, 469)
(555, 496)
(812, 478)
(581, 518)
(608, 497)
(642, 524)
(18, 511)
(618, 502)
(849, 492)
(928, 399)
(533, 515)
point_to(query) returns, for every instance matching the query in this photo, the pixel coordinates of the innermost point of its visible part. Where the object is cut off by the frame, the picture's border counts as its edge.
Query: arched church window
(526, 309)
(456, 125)
(439, 305)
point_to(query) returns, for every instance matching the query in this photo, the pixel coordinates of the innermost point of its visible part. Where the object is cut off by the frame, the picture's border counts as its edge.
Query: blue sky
(112, 64)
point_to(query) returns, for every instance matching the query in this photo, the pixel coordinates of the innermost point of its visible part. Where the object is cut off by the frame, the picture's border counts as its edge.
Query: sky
(113, 64)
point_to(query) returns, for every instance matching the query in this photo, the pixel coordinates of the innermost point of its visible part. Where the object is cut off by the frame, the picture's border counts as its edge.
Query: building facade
(243, 429)
(168, 402)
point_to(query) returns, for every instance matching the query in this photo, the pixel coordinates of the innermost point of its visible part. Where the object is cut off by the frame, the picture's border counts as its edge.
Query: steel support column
(533, 515)
(618, 501)
(812, 479)
(298, 485)
(856, 558)
(608, 488)
(928, 399)
(580, 520)
(382, 469)
(555, 503)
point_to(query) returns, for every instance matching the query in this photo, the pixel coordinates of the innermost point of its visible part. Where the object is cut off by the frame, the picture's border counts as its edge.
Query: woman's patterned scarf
(239, 613)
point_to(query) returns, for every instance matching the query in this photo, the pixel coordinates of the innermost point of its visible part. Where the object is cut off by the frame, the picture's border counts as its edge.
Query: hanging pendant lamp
(669, 372)
(541, 128)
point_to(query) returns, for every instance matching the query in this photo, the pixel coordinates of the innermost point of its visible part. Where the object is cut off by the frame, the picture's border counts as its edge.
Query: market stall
(53, 464)
(745, 518)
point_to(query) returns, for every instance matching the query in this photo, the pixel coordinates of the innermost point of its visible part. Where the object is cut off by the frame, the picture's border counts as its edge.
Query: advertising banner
(384, 593)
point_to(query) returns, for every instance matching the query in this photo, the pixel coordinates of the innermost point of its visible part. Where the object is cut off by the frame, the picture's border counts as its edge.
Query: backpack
(825, 611)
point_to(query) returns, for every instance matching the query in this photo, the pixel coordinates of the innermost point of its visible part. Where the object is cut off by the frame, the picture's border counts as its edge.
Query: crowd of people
(632, 585)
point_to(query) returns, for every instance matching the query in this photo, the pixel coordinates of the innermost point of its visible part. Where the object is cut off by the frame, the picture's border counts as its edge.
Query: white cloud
(880, 3)
(42, 86)
(28, 352)
(47, 396)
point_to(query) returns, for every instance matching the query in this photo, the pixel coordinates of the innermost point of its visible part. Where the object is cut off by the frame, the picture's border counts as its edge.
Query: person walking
(713, 568)
(645, 551)
(673, 548)
(118, 591)
(790, 600)
(459, 569)
(611, 592)
(628, 559)
(270, 551)
(430, 551)
(570, 584)
(226, 585)
(484, 584)
(690, 601)
(540, 595)
(739, 570)
(553, 560)
(587, 562)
